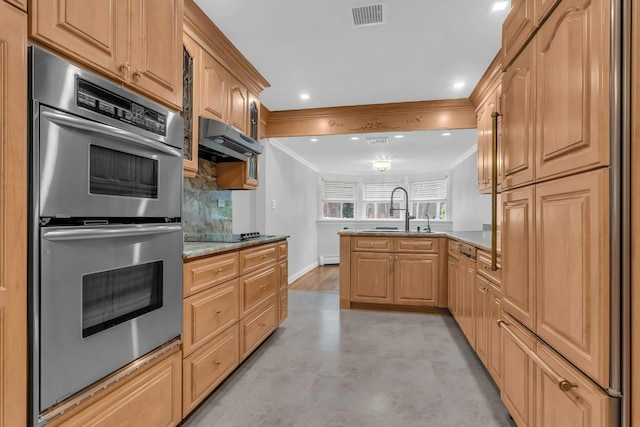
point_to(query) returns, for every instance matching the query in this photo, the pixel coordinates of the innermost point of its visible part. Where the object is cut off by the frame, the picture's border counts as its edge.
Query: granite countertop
(480, 239)
(198, 249)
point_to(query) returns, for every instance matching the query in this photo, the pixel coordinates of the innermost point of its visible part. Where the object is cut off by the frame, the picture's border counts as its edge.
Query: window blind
(382, 192)
(429, 190)
(339, 191)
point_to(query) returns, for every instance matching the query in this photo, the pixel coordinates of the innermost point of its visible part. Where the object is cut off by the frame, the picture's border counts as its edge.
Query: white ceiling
(423, 48)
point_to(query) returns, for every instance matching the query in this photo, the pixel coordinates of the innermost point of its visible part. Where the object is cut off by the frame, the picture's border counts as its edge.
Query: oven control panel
(101, 101)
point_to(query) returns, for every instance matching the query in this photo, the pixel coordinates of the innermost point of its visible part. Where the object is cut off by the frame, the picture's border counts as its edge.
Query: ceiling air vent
(368, 15)
(381, 140)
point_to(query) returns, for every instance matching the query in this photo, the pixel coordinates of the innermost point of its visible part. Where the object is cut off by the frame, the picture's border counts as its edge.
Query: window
(338, 199)
(377, 201)
(429, 198)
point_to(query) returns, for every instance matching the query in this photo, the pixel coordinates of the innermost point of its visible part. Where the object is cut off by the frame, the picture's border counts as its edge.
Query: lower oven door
(108, 295)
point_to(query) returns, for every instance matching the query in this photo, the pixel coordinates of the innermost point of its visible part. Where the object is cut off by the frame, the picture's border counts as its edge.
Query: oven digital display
(115, 296)
(109, 104)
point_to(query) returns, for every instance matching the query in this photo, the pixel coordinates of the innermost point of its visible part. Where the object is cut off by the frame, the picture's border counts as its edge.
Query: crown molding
(490, 79)
(463, 157)
(198, 25)
(278, 145)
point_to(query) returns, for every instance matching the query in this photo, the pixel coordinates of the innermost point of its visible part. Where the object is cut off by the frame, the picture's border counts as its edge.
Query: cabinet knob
(218, 311)
(284, 306)
(264, 287)
(264, 256)
(138, 73)
(125, 66)
(218, 362)
(370, 245)
(218, 271)
(390, 258)
(263, 324)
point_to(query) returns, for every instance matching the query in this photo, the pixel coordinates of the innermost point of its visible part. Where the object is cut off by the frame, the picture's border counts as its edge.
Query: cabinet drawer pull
(263, 324)
(563, 384)
(218, 311)
(218, 271)
(125, 66)
(138, 74)
(218, 362)
(264, 287)
(264, 256)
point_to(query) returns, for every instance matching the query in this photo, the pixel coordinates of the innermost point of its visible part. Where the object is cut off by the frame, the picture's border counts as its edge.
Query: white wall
(294, 187)
(469, 208)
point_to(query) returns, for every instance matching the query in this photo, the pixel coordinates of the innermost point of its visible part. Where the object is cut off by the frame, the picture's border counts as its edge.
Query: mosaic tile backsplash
(204, 208)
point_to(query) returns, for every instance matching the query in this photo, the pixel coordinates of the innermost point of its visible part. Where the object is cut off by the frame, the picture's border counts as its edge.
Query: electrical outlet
(273, 204)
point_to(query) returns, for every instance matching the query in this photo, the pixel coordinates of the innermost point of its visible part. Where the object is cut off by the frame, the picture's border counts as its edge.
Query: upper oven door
(92, 169)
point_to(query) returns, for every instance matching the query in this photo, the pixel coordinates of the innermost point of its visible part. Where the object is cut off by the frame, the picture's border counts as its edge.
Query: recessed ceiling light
(499, 5)
(446, 134)
(314, 140)
(458, 85)
(304, 96)
(354, 138)
(399, 136)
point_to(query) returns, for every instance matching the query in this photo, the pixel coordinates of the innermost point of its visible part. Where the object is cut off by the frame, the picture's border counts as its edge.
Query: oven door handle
(80, 233)
(111, 131)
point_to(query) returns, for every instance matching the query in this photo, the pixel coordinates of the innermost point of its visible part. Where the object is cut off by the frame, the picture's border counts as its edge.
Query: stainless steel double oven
(105, 235)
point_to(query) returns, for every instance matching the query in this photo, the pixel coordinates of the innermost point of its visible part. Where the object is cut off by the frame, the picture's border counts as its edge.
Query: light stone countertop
(479, 239)
(198, 249)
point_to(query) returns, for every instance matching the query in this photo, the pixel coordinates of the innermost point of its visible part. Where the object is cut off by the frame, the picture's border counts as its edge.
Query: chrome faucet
(407, 217)
(428, 229)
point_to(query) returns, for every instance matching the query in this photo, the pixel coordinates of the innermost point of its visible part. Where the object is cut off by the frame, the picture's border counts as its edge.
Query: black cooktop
(223, 237)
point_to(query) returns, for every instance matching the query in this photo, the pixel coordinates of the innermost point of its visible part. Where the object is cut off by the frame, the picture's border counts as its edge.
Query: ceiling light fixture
(354, 138)
(381, 165)
(314, 140)
(304, 96)
(446, 134)
(399, 136)
(499, 5)
(458, 85)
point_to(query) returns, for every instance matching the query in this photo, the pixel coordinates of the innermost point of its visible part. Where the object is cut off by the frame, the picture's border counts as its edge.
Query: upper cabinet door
(214, 88)
(238, 106)
(572, 63)
(517, 28)
(572, 279)
(518, 101)
(94, 33)
(156, 49)
(191, 109)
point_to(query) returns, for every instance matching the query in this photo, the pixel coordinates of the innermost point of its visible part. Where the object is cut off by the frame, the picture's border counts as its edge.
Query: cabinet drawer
(454, 248)
(254, 258)
(208, 313)
(416, 244)
(256, 327)
(283, 269)
(151, 398)
(208, 366)
(283, 303)
(283, 250)
(372, 244)
(484, 267)
(257, 287)
(203, 273)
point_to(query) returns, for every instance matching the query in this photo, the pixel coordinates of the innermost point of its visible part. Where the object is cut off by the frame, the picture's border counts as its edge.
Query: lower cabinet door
(518, 375)
(208, 366)
(372, 277)
(494, 358)
(416, 279)
(583, 405)
(481, 314)
(257, 326)
(151, 399)
(283, 306)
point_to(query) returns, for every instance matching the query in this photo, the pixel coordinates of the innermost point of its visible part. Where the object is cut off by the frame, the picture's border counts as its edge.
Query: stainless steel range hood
(220, 142)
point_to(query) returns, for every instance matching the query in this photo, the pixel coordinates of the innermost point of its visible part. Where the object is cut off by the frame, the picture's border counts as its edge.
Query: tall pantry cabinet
(555, 206)
(13, 213)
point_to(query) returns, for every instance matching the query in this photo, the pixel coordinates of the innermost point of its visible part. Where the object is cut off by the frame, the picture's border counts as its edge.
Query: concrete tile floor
(331, 367)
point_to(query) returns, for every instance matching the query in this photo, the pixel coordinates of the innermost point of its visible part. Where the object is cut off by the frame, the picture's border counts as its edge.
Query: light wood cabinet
(258, 287)
(257, 257)
(416, 279)
(485, 140)
(466, 298)
(238, 105)
(372, 277)
(238, 175)
(214, 88)
(201, 274)
(518, 127)
(283, 250)
(518, 261)
(453, 273)
(517, 28)
(13, 215)
(21, 4)
(283, 274)
(494, 359)
(572, 229)
(542, 9)
(283, 306)
(256, 327)
(208, 313)
(518, 375)
(192, 49)
(481, 317)
(572, 81)
(147, 399)
(372, 244)
(209, 366)
(137, 42)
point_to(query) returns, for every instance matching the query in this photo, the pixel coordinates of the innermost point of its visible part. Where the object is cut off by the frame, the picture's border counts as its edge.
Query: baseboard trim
(302, 272)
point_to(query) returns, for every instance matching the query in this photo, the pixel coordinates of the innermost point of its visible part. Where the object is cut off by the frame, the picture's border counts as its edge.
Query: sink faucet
(407, 217)
(428, 229)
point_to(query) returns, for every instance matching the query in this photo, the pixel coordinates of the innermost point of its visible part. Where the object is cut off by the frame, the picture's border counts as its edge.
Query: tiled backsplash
(204, 208)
